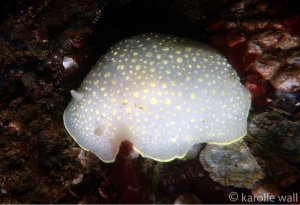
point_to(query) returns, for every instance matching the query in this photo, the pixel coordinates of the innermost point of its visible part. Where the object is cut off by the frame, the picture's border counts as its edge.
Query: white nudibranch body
(163, 94)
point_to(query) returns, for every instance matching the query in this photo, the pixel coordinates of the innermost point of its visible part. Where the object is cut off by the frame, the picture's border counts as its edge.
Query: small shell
(69, 62)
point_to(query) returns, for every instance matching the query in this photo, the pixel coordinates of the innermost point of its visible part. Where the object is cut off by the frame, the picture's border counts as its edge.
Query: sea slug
(163, 94)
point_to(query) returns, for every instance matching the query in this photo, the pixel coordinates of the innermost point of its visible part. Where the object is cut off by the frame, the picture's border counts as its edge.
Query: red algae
(292, 24)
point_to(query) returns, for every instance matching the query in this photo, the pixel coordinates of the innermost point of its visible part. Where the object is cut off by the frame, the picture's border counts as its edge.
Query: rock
(276, 133)
(265, 190)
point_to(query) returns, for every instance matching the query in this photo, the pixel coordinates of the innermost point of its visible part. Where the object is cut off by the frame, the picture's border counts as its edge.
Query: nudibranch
(163, 94)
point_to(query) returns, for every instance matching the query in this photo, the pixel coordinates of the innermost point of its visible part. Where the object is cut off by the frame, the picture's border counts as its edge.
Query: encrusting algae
(231, 165)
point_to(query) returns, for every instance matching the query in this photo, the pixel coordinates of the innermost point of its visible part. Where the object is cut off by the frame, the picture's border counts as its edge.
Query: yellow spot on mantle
(128, 110)
(112, 82)
(124, 101)
(153, 101)
(152, 84)
(165, 48)
(96, 82)
(107, 74)
(136, 94)
(149, 54)
(120, 67)
(193, 96)
(138, 67)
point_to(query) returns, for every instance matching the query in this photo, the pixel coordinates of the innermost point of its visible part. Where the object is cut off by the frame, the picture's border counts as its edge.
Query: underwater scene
(150, 101)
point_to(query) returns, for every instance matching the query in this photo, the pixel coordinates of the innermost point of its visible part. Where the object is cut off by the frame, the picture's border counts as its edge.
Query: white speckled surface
(160, 92)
